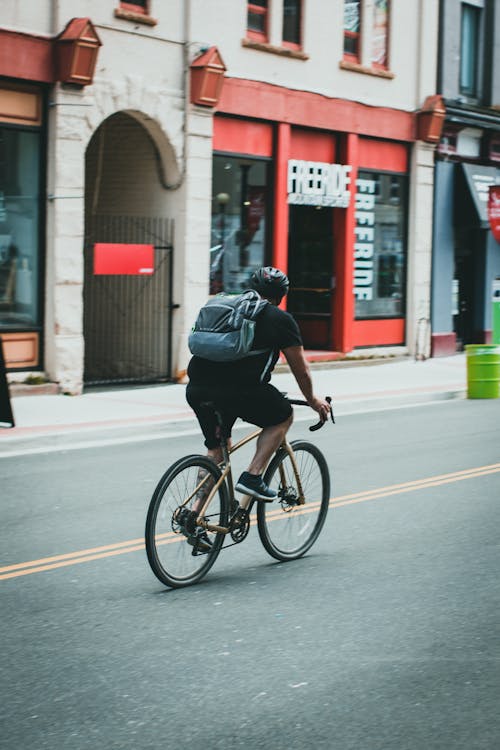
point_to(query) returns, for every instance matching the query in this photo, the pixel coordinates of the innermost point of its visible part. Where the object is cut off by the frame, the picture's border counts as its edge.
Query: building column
(192, 235)
(418, 279)
(64, 344)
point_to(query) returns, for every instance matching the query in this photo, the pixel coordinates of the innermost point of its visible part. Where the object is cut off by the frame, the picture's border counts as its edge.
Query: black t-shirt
(275, 330)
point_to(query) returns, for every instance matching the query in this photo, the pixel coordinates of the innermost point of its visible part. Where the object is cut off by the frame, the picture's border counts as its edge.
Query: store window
(241, 191)
(292, 23)
(380, 245)
(352, 30)
(257, 20)
(469, 43)
(380, 34)
(19, 227)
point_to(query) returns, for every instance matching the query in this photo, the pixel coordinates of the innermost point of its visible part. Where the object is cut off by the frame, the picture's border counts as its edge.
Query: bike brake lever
(320, 424)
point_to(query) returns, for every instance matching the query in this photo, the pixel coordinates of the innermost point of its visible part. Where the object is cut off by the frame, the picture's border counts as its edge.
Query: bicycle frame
(226, 476)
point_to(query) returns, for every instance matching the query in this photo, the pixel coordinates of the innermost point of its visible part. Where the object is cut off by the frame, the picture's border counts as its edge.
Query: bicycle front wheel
(288, 529)
(180, 555)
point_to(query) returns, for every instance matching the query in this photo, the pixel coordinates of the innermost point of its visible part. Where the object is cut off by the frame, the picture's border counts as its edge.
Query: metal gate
(127, 319)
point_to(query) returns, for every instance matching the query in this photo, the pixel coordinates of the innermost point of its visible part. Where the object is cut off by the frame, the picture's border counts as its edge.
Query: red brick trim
(443, 344)
(265, 101)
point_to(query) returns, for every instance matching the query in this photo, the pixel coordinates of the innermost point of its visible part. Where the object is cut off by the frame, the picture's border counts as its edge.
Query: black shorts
(262, 405)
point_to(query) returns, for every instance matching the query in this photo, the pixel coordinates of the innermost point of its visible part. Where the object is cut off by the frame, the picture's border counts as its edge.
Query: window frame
(287, 43)
(349, 56)
(258, 36)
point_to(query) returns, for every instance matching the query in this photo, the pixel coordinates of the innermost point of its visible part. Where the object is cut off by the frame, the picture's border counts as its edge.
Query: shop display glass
(239, 221)
(380, 245)
(19, 227)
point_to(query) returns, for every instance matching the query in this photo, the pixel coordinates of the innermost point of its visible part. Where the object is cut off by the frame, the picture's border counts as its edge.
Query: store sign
(479, 180)
(494, 210)
(315, 183)
(364, 239)
(116, 259)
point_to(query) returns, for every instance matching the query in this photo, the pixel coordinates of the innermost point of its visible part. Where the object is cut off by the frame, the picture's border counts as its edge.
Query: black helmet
(270, 282)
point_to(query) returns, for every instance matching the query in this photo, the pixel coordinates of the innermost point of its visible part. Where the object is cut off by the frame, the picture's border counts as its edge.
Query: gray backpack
(225, 327)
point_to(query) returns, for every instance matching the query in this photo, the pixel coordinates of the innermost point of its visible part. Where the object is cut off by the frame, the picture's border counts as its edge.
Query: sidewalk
(143, 412)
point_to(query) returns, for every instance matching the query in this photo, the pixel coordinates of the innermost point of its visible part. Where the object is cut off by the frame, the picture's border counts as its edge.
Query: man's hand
(302, 373)
(321, 406)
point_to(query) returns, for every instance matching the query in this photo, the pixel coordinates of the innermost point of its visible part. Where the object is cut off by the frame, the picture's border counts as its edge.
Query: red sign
(494, 210)
(132, 260)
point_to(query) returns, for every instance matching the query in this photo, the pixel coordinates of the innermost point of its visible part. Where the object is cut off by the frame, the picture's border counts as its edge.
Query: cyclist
(242, 389)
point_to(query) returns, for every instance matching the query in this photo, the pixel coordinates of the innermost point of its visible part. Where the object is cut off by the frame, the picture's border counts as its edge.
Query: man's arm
(302, 374)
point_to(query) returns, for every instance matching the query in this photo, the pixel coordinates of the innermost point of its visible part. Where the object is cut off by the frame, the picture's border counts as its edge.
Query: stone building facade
(126, 157)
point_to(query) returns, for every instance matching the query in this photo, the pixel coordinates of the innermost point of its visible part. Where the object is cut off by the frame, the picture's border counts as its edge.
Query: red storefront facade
(342, 299)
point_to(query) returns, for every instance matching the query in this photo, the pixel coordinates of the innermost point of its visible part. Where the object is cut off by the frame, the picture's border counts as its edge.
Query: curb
(41, 389)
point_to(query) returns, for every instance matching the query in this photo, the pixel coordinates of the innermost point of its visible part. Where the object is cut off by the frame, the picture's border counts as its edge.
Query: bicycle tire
(173, 557)
(287, 530)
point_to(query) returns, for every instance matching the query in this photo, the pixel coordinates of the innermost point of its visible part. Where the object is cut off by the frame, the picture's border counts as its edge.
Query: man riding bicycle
(241, 388)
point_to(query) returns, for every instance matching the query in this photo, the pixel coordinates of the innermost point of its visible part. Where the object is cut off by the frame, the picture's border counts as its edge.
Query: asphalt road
(384, 637)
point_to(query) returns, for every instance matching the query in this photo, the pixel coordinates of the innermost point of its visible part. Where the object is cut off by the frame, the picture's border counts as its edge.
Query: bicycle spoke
(288, 529)
(180, 552)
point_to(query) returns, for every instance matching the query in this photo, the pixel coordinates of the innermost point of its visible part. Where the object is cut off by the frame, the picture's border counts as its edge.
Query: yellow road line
(133, 545)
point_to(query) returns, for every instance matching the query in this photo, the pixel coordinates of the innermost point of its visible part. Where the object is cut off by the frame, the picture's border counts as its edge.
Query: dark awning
(479, 179)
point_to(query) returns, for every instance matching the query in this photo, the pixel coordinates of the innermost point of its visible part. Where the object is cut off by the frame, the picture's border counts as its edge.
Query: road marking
(133, 545)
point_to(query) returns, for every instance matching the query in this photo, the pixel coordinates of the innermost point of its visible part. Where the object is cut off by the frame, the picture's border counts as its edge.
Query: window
(352, 29)
(239, 221)
(380, 34)
(469, 40)
(257, 20)
(292, 23)
(136, 6)
(380, 245)
(19, 227)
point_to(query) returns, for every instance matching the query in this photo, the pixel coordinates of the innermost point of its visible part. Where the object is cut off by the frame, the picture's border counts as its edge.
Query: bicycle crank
(240, 525)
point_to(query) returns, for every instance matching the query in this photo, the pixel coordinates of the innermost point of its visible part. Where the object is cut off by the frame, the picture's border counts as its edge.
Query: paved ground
(142, 410)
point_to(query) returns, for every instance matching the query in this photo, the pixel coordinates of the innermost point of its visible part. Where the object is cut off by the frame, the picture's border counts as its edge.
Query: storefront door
(310, 264)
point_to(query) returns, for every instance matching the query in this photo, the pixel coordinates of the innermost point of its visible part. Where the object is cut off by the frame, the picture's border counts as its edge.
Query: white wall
(323, 42)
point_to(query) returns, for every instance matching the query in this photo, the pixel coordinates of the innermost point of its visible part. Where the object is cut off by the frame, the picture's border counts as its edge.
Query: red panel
(310, 145)
(268, 102)
(26, 57)
(242, 137)
(494, 210)
(379, 332)
(281, 211)
(389, 157)
(343, 300)
(443, 344)
(113, 259)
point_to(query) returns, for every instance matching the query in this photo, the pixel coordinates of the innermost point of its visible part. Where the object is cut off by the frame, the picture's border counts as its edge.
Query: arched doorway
(127, 314)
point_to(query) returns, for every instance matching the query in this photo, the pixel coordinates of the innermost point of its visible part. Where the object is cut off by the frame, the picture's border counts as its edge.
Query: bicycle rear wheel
(286, 529)
(179, 558)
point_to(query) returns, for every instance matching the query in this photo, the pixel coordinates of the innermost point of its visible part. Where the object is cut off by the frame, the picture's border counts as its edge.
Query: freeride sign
(315, 183)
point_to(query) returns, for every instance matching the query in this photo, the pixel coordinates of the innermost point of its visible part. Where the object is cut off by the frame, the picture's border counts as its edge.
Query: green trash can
(483, 370)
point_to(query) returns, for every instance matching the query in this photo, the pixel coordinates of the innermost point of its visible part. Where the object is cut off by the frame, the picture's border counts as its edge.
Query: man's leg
(251, 482)
(268, 443)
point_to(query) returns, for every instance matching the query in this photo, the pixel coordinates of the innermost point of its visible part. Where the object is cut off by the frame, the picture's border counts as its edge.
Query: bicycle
(287, 528)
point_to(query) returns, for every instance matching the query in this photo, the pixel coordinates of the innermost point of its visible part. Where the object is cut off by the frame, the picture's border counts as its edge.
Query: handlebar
(319, 425)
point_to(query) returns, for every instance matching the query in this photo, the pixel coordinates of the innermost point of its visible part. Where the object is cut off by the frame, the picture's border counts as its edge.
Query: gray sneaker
(254, 485)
